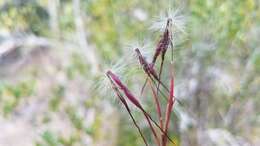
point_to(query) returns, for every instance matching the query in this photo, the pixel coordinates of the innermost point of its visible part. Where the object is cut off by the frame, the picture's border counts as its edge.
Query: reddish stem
(169, 108)
(157, 102)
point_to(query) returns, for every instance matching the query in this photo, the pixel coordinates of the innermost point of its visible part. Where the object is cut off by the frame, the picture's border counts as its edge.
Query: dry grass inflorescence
(169, 25)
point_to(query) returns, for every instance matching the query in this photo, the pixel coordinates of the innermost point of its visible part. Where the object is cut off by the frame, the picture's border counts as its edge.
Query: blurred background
(53, 54)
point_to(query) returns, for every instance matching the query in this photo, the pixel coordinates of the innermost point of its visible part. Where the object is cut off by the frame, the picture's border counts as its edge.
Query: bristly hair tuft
(178, 21)
(103, 84)
(145, 47)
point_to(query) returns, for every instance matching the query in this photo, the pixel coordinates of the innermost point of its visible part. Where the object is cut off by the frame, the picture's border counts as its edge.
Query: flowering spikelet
(129, 95)
(149, 70)
(170, 24)
(163, 44)
(146, 66)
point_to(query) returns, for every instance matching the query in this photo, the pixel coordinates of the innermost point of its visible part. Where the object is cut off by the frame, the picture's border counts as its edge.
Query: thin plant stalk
(169, 108)
(158, 106)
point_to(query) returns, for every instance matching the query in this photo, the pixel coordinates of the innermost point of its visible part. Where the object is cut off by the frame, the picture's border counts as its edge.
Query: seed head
(163, 44)
(148, 68)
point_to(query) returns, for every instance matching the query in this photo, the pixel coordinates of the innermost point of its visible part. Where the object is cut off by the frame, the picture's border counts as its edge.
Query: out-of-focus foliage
(11, 95)
(24, 16)
(217, 70)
